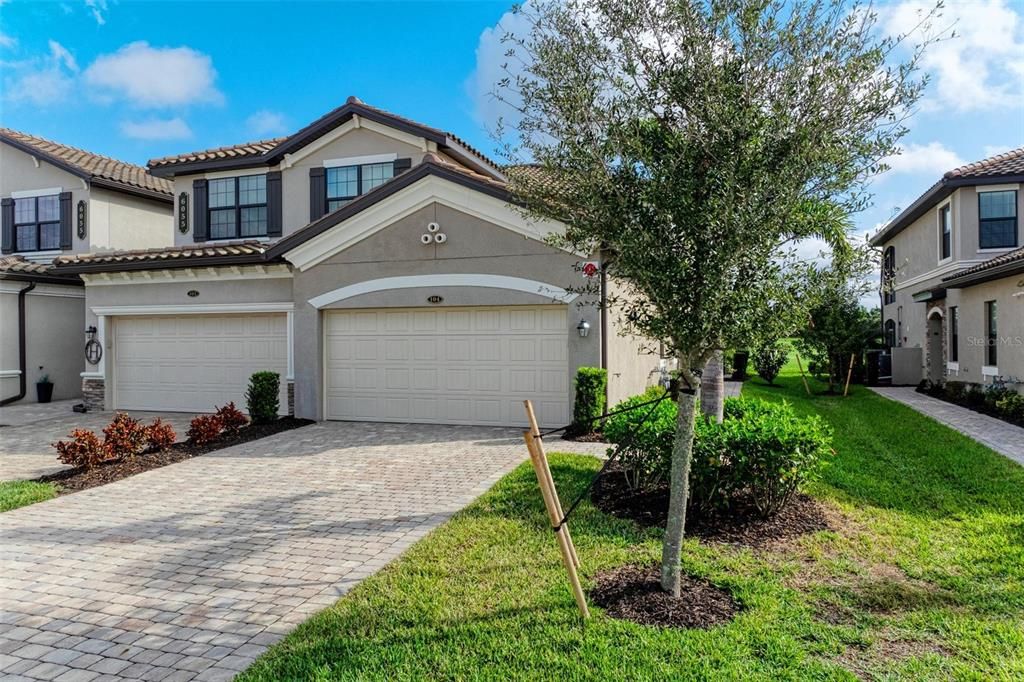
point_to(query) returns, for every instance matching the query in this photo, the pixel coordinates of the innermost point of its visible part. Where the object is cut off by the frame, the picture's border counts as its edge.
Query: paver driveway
(192, 570)
(25, 450)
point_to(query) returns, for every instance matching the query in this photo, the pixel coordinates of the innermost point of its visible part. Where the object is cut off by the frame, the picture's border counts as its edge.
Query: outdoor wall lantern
(583, 328)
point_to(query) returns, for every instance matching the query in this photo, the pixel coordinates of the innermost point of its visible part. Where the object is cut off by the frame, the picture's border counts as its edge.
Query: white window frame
(983, 189)
(938, 232)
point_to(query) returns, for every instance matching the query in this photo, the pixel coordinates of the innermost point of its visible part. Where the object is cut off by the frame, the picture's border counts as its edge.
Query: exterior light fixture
(583, 328)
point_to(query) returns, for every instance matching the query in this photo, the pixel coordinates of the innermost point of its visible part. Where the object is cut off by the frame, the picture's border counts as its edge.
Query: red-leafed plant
(160, 434)
(83, 450)
(124, 436)
(204, 429)
(231, 418)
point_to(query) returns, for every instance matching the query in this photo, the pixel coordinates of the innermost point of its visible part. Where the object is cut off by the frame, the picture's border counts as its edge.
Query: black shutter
(274, 208)
(200, 217)
(66, 217)
(402, 165)
(317, 193)
(8, 225)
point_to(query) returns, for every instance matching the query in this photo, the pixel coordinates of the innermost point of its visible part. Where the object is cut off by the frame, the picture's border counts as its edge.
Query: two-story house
(59, 200)
(375, 263)
(953, 277)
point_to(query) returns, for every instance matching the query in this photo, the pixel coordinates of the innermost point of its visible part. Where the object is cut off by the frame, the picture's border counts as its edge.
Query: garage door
(447, 366)
(191, 363)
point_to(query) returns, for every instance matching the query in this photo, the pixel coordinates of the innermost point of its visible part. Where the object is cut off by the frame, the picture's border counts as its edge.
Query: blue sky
(137, 80)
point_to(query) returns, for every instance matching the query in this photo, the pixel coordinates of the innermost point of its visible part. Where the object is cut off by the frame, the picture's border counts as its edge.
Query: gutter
(22, 361)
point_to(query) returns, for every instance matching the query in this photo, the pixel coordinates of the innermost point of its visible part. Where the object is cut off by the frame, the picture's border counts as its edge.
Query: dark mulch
(741, 526)
(74, 480)
(634, 593)
(592, 437)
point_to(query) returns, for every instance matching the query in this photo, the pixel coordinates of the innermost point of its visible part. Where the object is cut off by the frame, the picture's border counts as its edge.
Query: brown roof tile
(236, 151)
(1015, 256)
(94, 165)
(18, 267)
(175, 255)
(1007, 163)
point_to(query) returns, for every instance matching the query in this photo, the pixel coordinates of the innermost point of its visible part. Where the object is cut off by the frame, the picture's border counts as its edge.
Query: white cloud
(155, 76)
(97, 8)
(268, 123)
(932, 159)
(41, 81)
(492, 65)
(982, 67)
(7, 41)
(156, 129)
(991, 150)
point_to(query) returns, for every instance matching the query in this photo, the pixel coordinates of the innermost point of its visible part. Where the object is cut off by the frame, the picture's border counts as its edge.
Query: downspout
(604, 328)
(22, 363)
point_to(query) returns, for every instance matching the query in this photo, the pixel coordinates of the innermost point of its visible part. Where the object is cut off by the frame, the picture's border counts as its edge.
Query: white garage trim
(196, 309)
(529, 286)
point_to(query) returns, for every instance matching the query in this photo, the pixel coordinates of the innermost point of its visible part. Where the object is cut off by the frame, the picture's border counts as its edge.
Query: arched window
(888, 275)
(890, 333)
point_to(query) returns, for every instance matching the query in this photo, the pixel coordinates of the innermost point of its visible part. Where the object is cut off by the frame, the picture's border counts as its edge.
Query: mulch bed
(743, 526)
(74, 480)
(634, 593)
(592, 437)
(939, 394)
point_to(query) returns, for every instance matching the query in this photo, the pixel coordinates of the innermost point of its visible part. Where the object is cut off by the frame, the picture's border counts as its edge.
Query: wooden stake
(539, 444)
(550, 495)
(801, 366)
(849, 374)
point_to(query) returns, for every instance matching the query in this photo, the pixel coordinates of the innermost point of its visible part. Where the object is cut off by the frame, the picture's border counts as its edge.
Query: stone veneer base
(93, 393)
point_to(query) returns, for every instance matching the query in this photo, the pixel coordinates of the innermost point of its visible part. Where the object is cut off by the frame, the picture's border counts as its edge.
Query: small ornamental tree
(692, 143)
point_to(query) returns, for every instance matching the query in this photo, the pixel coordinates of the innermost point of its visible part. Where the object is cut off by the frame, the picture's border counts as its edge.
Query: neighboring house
(953, 277)
(58, 200)
(374, 262)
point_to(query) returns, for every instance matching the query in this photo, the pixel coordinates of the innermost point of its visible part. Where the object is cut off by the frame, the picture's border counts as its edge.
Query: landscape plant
(124, 436)
(231, 418)
(591, 384)
(84, 449)
(204, 428)
(261, 398)
(160, 434)
(768, 361)
(692, 144)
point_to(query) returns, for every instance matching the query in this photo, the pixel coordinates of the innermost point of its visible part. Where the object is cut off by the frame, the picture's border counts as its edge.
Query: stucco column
(94, 386)
(307, 370)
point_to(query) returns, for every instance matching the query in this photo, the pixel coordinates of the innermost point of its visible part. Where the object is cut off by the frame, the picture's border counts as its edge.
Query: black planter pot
(44, 392)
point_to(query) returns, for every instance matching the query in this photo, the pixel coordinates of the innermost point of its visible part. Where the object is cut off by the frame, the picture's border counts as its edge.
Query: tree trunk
(712, 388)
(679, 493)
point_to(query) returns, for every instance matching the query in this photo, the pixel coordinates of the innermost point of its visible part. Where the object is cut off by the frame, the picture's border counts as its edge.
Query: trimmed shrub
(125, 436)
(231, 418)
(160, 435)
(83, 450)
(994, 393)
(590, 396)
(768, 361)
(1011, 407)
(204, 429)
(973, 396)
(954, 391)
(261, 398)
(647, 455)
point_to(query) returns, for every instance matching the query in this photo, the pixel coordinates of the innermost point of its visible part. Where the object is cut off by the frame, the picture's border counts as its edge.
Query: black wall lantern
(183, 212)
(81, 219)
(583, 328)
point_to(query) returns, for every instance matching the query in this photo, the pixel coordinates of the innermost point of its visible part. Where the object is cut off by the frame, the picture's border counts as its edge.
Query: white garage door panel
(192, 363)
(456, 366)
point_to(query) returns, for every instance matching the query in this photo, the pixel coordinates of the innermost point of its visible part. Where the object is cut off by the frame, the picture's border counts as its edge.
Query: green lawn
(923, 579)
(14, 494)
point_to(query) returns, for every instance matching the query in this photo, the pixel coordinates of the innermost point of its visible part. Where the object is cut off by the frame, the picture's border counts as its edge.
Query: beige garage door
(447, 366)
(191, 363)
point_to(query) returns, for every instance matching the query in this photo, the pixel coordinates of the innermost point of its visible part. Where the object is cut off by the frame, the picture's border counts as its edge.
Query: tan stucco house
(59, 200)
(374, 262)
(953, 278)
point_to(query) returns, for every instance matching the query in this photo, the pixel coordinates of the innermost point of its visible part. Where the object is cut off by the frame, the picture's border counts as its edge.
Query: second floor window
(997, 219)
(954, 334)
(37, 223)
(345, 183)
(888, 276)
(238, 207)
(945, 232)
(991, 334)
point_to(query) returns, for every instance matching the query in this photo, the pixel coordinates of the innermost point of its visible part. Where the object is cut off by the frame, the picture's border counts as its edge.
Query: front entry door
(936, 361)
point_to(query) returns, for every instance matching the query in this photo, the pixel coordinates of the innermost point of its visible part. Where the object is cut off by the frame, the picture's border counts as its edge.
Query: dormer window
(345, 183)
(37, 223)
(238, 207)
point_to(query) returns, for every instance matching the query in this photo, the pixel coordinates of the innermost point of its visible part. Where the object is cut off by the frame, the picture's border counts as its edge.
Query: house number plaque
(434, 299)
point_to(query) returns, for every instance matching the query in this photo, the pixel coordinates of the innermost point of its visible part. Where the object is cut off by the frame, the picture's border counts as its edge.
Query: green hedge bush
(761, 453)
(588, 407)
(1011, 406)
(261, 398)
(768, 361)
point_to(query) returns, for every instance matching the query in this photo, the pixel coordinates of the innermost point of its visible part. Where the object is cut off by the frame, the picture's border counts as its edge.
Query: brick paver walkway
(25, 450)
(192, 570)
(1004, 438)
